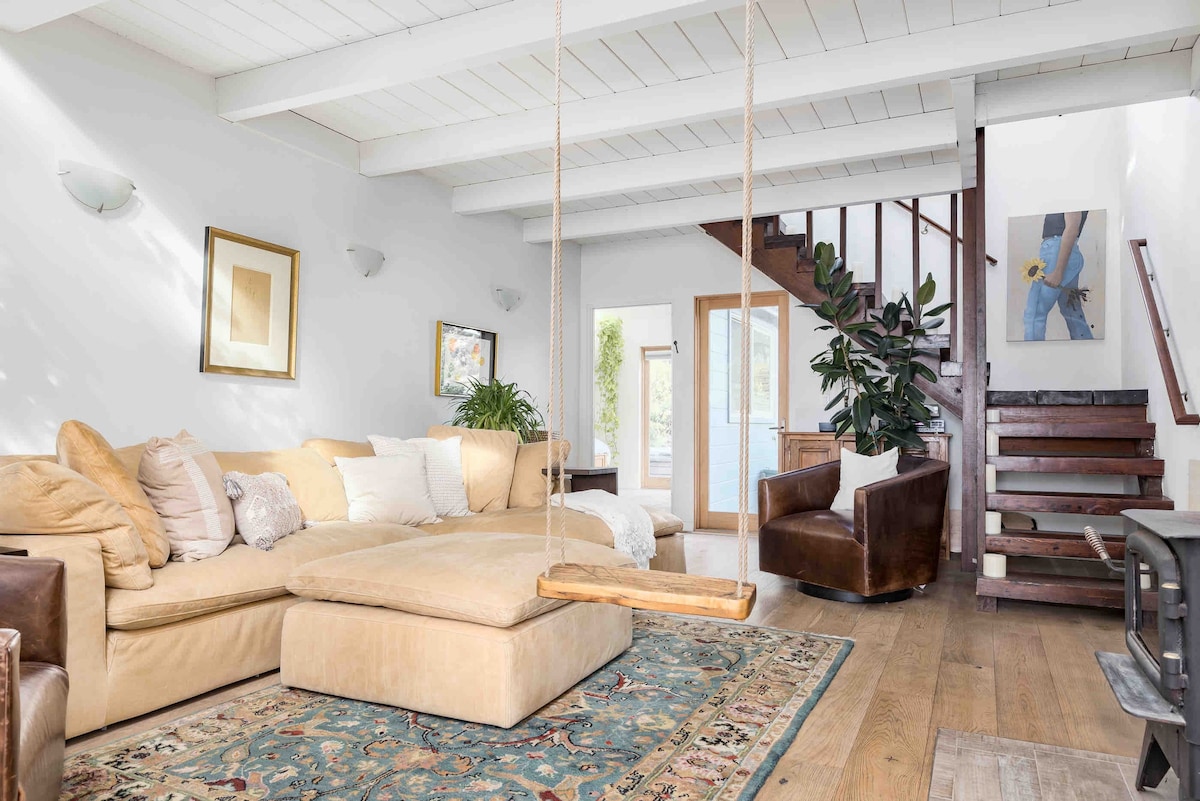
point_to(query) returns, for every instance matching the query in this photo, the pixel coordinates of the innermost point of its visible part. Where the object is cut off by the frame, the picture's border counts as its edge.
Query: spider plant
(500, 407)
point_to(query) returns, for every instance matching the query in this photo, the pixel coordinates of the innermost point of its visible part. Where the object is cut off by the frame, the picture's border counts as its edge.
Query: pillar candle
(991, 522)
(990, 477)
(993, 415)
(993, 443)
(995, 565)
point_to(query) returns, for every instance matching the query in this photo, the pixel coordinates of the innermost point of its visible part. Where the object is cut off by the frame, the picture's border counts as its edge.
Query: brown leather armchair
(889, 544)
(33, 677)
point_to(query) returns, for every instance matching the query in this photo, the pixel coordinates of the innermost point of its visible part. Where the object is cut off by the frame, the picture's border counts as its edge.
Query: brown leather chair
(33, 677)
(889, 544)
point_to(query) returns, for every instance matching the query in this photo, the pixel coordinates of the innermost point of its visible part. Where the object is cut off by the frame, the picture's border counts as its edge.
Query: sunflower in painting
(1033, 270)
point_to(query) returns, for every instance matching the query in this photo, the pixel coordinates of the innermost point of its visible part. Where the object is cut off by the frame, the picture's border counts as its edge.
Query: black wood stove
(1151, 681)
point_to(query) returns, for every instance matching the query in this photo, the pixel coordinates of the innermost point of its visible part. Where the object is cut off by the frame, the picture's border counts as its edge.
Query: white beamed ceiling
(227, 37)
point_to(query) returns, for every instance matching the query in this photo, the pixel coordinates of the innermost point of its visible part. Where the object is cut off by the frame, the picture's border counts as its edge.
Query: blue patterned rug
(696, 710)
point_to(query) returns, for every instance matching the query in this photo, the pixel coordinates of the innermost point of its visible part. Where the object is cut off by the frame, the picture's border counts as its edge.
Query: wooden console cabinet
(810, 448)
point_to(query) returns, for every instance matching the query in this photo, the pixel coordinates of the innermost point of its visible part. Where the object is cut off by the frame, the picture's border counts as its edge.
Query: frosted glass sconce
(507, 298)
(365, 261)
(95, 188)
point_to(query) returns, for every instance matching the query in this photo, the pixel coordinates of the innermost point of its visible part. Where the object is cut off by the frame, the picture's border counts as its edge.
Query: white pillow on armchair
(859, 471)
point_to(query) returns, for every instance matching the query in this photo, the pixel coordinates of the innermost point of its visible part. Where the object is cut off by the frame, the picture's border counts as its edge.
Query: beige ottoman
(448, 625)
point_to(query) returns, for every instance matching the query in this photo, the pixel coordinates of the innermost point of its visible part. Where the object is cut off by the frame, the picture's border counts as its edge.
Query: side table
(588, 478)
(13, 551)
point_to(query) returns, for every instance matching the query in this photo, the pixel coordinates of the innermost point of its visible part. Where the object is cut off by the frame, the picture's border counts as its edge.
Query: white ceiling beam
(1117, 83)
(21, 15)
(303, 134)
(890, 137)
(457, 43)
(1056, 31)
(876, 187)
(962, 94)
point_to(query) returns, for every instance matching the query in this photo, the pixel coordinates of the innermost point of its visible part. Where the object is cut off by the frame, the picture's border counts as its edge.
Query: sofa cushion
(39, 497)
(330, 449)
(240, 575)
(529, 484)
(486, 578)
(82, 448)
(489, 458)
(580, 526)
(314, 481)
(665, 523)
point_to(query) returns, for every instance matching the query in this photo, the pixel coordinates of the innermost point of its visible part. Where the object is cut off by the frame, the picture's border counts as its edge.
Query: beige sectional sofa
(212, 622)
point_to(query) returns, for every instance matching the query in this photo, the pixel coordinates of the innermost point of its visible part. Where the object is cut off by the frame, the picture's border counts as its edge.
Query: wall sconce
(95, 188)
(365, 261)
(507, 298)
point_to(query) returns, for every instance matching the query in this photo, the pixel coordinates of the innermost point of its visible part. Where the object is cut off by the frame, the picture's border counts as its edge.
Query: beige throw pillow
(82, 448)
(859, 471)
(489, 458)
(183, 481)
(443, 469)
(48, 498)
(388, 489)
(529, 482)
(264, 509)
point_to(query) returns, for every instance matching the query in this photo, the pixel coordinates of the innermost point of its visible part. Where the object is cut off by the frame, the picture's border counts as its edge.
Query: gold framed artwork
(251, 292)
(462, 354)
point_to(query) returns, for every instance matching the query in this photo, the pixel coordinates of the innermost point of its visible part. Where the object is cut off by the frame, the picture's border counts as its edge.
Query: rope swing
(649, 589)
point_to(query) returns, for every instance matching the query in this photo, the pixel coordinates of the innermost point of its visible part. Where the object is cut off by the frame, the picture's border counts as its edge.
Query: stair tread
(1071, 544)
(1075, 430)
(1050, 588)
(1085, 503)
(1081, 465)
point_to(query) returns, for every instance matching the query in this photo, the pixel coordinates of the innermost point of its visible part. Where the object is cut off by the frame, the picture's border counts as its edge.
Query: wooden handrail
(935, 224)
(1160, 333)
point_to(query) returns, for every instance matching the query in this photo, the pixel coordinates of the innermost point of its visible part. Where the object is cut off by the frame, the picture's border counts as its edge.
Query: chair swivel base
(830, 594)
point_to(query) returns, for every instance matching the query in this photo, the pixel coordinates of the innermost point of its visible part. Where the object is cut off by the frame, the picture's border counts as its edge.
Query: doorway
(718, 395)
(632, 397)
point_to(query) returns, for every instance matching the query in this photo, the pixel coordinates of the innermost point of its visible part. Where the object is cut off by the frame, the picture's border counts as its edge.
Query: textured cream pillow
(183, 481)
(82, 448)
(39, 497)
(859, 471)
(388, 489)
(264, 509)
(443, 469)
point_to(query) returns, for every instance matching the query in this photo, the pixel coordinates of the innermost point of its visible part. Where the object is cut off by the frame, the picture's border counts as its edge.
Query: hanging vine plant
(610, 355)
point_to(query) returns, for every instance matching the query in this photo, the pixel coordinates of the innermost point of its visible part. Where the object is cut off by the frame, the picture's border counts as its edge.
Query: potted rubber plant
(501, 407)
(873, 363)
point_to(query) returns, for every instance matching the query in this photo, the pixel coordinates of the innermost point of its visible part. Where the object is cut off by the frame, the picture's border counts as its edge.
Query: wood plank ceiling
(224, 37)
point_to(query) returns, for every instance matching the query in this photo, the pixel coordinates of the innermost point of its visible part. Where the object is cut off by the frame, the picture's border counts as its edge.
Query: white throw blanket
(632, 528)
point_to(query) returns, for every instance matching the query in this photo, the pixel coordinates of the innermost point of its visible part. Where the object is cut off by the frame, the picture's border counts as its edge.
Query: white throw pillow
(443, 469)
(263, 507)
(859, 471)
(388, 489)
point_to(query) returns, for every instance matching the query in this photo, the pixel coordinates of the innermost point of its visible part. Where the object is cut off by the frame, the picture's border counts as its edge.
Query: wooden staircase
(786, 260)
(1083, 434)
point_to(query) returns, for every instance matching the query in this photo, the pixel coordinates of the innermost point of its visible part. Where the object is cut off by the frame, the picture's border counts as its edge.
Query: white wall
(100, 314)
(642, 326)
(674, 270)
(1162, 205)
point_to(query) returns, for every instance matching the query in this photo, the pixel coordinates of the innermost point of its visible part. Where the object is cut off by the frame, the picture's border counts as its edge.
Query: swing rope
(556, 405)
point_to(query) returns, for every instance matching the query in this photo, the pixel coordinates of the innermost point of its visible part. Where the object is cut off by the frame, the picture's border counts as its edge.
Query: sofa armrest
(907, 510)
(87, 637)
(33, 601)
(805, 490)
(10, 712)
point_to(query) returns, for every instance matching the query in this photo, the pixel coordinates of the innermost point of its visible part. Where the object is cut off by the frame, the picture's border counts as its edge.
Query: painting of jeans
(1056, 265)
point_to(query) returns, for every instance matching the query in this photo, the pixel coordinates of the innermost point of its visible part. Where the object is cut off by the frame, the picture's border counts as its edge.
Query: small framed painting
(251, 290)
(463, 354)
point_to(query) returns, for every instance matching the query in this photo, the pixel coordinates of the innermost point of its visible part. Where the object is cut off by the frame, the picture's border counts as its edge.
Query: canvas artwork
(1056, 276)
(463, 354)
(250, 302)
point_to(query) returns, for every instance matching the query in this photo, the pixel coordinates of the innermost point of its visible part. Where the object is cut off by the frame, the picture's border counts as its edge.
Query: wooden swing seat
(655, 590)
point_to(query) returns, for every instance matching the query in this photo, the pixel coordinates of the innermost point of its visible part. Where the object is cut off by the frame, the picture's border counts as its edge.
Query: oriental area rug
(695, 710)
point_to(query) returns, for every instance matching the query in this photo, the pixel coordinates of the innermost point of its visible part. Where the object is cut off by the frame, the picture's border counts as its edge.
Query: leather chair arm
(910, 506)
(805, 490)
(10, 712)
(33, 600)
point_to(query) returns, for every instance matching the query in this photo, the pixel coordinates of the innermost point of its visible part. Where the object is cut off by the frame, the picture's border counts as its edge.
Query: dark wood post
(808, 235)
(974, 302)
(954, 354)
(879, 256)
(916, 242)
(842, 238)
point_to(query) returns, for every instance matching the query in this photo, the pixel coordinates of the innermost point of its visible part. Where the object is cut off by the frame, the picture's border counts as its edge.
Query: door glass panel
(724, 360)
(658, 418)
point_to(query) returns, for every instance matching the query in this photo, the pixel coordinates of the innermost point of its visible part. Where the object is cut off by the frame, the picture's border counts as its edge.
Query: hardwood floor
(1026, 672)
